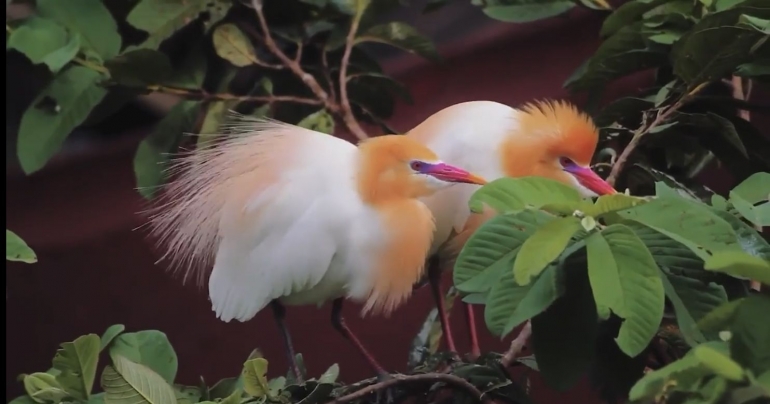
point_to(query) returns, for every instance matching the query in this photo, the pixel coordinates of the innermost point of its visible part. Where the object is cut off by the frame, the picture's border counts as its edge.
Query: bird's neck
(409, 227)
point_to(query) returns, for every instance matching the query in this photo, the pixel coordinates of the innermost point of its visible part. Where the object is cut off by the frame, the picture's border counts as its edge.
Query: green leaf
(44, 127)
(693, 300)
(712, 126)
(623, 53)
(319, 121)
(612, 203)
(548, 287)
(522, 11)
(110, 334)
(225, 387)
(750, 342)
(688, 222)
(150, 348)
(217, 11)
(625, 278)
(628, 13)
(89, 20)
(491, 249)
(403, 36)
(719, 363)
(739, 264)
(187, 394)
(513, 194)
(231, 44)
(162, 18)
(153, 152)
(254, 380)
(44, 41)
(714, 46)
(544, 246)
(564, 336)
(751, 242)
(330, 375)
(685, 372)
(139, 68)
(126, 382)
(721, 318)
(18, 250)
(43, 387)
(25, 399)
(77, 361)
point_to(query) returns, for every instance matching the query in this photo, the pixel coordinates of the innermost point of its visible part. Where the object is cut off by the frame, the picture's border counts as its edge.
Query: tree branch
(517, 345)
(293, 65)
(455, 381)
(203, 95)
(343, 107)
(347, 112)
(643, 130)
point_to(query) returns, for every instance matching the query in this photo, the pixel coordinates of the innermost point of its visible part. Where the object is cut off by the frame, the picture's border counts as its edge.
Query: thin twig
(643, 130)
(347, 112)
(404, 379)
(517, 345)
(293, 65)
(202, 95)
(326, 72)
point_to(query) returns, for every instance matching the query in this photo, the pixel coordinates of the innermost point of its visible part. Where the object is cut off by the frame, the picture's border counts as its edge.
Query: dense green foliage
(612, 286)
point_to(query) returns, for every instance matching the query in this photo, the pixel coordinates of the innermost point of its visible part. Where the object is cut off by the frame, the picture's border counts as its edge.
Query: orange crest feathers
(574, 132)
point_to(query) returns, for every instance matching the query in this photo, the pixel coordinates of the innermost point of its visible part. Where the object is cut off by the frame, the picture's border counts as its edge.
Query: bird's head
(556, 141)
(396, 166)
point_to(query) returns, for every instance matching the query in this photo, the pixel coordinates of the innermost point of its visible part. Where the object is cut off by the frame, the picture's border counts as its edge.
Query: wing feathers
(222, 186)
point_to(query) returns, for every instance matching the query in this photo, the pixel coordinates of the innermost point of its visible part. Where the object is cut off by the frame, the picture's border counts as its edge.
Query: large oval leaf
(56, 111)
(150, 348)
(18, 250)
(625, 278)
(127, 382)
(492, 248)
(514, 194)
(76, 361)
(88, 19)
(544, 246)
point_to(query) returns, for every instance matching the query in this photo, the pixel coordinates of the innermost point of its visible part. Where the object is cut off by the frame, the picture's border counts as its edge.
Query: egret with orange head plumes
(290, 216)
(549, 139)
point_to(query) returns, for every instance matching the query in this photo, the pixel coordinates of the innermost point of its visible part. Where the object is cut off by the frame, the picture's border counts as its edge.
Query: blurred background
(96, 268)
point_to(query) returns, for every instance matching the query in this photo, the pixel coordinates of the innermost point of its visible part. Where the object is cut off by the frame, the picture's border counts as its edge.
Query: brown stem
(347, 112)
(643, 130)
(198, 94)
(517, 345)
(293, 65)
(403, 379)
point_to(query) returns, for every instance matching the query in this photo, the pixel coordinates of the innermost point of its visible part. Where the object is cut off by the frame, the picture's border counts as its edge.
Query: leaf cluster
(218, 55)
(572, 266)
(142, 368)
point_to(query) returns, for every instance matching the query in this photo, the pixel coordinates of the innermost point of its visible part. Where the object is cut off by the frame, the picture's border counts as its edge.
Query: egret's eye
(566, 162)
(416, 165)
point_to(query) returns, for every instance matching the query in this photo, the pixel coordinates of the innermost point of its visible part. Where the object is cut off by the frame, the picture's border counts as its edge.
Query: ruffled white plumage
(276, 208)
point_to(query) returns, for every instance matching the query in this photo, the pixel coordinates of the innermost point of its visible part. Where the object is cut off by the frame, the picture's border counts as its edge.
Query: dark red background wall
(95, 270)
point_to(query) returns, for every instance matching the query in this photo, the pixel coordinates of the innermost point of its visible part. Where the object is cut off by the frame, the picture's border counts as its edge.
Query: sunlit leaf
(739, 264)
(150, 348)
(17, 249)
(254, 380)
(544, 246)
(77, 362)
(233, 45)
(126, 382)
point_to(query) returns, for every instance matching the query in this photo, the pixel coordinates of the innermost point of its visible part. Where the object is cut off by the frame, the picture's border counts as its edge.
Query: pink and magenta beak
(589, 179)
(449, 173)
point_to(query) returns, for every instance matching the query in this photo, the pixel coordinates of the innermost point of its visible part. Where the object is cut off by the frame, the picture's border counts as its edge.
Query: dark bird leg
(339, 324)
(279, 312)
(474, 337)
(434, 278)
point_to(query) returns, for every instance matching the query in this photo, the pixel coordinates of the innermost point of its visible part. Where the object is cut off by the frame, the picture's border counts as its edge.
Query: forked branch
(340, 108)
